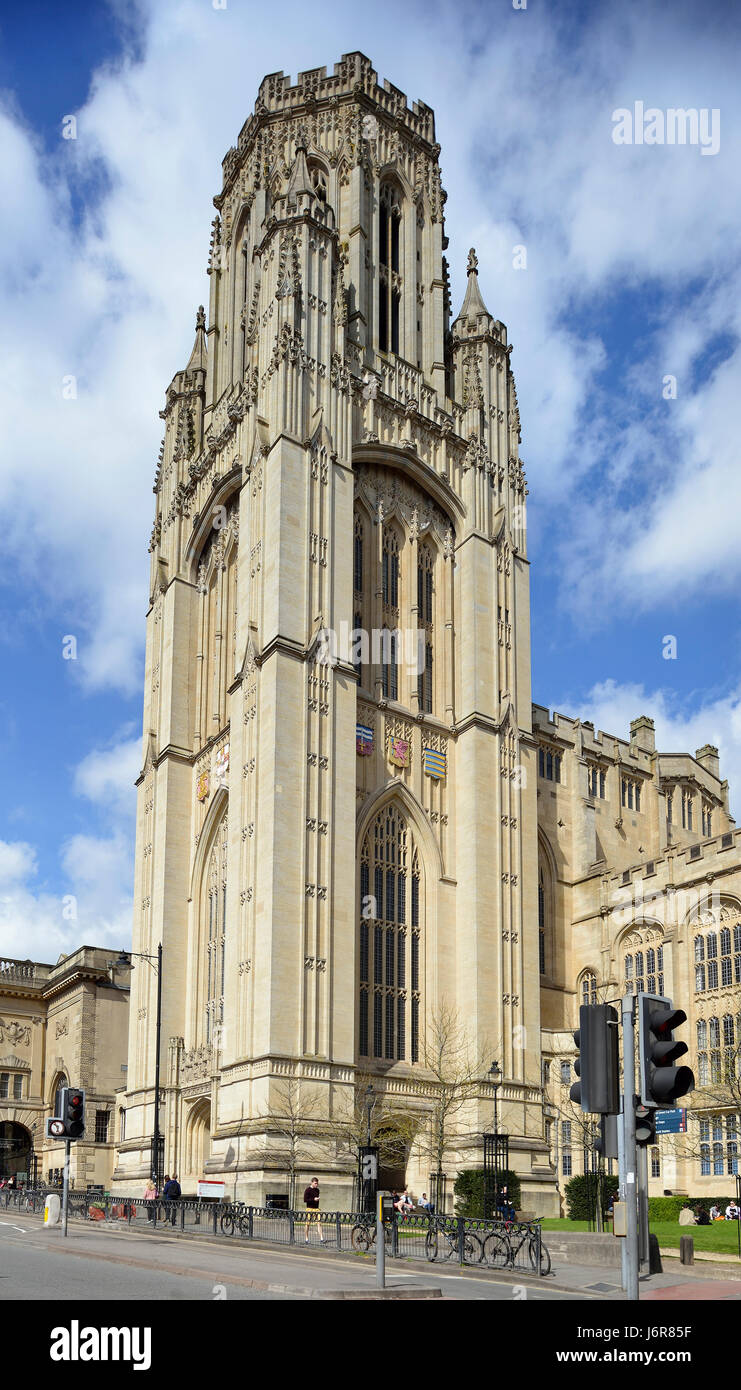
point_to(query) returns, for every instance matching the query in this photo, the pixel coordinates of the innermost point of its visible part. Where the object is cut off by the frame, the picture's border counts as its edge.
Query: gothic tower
(336, 834)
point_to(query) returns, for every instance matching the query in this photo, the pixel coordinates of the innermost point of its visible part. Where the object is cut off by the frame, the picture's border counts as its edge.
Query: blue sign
(671, 1121)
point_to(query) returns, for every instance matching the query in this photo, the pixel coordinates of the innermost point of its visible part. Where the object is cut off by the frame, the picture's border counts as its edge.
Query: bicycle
(443, 1241)
(363, 1236)
(237, 1217)
(500, 1252)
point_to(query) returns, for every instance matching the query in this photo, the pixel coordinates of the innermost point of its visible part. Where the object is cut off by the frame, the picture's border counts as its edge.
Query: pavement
(95, 1259)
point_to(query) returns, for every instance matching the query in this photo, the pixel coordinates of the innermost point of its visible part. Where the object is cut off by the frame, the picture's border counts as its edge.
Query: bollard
(686, 1250)
(654, 1255)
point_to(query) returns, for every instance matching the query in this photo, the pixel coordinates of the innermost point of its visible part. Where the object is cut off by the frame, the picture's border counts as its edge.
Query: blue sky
(632, 275)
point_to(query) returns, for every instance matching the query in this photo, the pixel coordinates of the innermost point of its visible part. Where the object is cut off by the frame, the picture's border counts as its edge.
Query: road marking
(11, 1227)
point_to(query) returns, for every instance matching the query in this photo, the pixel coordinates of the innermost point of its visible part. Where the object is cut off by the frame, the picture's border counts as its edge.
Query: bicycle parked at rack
(501, 1248)
(443, 1242)
(236, 1218)
(363, 1235)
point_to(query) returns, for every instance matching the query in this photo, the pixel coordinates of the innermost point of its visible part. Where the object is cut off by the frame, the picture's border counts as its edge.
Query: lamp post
(495, 1074)
(370, 1097)
(492, 1151)
(123, 960)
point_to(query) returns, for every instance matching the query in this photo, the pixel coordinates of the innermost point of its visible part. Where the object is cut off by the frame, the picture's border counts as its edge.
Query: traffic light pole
(65, 1185)
(628, 1153)
(644, 1250)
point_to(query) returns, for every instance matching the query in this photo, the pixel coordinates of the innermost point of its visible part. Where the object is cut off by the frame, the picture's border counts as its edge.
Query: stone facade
(336, 842)
(65, 1024)
(631, 888)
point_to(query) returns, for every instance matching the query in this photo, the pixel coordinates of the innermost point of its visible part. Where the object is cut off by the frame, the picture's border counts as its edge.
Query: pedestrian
(426, 1205)
(150, 1197)
(171, 1193)
(311, 1202)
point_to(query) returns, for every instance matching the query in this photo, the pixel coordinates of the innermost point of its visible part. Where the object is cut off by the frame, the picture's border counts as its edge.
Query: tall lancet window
(425, 570)
(390, 638)
(357, 585)
(389, 948)
(389, 287)
(214, 963)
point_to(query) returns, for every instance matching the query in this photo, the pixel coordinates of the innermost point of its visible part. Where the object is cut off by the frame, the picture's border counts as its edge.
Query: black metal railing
(499, 1245)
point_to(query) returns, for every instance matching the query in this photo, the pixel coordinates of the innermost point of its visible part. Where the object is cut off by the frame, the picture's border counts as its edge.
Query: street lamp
(495, 1074)
(370, 1097)
(124, 959)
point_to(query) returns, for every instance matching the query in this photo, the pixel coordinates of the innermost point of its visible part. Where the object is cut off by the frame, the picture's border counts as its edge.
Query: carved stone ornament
(17, 1033)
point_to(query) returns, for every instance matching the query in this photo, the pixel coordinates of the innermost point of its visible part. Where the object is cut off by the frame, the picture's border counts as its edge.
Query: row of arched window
(718, 959)
(718, 1052)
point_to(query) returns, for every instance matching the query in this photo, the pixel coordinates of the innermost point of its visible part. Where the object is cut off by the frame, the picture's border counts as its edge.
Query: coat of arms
(202, 787)
(399, 751)
(221, 766)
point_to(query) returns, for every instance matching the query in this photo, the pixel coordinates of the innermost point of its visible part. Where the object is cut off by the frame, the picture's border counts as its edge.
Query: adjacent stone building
(63, 1024)
(351, 818)
(639, 880)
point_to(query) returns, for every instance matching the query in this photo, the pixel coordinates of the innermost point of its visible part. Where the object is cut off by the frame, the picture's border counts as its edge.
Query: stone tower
(336, 832)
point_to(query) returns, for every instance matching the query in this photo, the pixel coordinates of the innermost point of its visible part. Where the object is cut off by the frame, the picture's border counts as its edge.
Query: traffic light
(661, 1083)
(606, 1139)
(645, 1123)
(598, 1067)
(72, 1109)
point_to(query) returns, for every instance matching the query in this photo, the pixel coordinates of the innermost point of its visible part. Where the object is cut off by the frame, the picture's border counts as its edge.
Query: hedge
(580, 1198)
(469, 1191)
(668, 1208)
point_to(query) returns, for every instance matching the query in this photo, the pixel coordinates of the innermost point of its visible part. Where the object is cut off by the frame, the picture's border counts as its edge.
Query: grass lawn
(721, 1238)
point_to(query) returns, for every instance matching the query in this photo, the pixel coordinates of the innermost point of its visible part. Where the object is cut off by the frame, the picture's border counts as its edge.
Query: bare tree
(296, 1118)
(456, 1072)
(392, 1129)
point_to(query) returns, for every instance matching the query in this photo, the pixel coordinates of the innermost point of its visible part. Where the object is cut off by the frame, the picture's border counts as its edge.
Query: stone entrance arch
(16, 1148)
(197, 1140)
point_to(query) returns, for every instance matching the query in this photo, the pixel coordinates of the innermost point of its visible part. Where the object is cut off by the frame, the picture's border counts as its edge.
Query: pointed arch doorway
(197, 1140)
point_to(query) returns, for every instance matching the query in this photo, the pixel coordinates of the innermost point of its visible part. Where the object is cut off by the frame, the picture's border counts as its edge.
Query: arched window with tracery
(214, 936)
(390, 942)
(589, 987)
(541, 920)
(643, 961)
(358, 568)
(216, 622)
(425, 573)
(717, 947)
(391, 574)
(389, 276)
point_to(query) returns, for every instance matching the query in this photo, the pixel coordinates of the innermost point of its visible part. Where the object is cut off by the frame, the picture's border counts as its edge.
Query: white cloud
(106, 777)
(94, 905)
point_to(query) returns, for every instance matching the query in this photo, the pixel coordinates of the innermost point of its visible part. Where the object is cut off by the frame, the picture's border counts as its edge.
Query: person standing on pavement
(171, 1193)
(311, 1202)
(150, 1197)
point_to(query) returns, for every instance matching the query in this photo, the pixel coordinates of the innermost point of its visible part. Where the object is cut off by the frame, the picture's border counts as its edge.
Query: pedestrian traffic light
(661, 1083)
(73, 1112)
(645, 1123)
(598, 1089)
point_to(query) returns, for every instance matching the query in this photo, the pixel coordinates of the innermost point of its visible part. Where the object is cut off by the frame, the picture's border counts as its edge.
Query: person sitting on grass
(703, 1218)
(731, 1211)
(715, 1213)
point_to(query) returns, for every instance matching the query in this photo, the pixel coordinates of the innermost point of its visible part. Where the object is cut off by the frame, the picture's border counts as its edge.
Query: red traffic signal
(73, 1112)
(661, 1083)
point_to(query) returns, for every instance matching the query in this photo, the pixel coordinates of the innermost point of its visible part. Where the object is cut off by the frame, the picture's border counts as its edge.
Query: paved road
(94, 1264)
